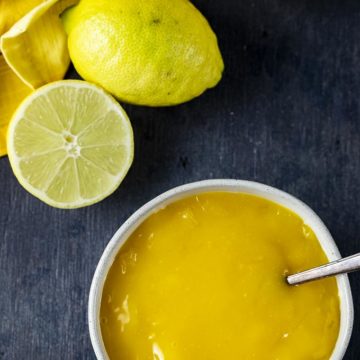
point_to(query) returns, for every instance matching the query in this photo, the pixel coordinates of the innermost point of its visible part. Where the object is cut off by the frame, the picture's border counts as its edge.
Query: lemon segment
(35, 47)
(12, 11)
(12, 92)
(153, 52)
(70, 144)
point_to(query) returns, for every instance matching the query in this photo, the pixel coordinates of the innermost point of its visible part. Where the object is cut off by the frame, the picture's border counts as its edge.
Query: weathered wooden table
(287, 113)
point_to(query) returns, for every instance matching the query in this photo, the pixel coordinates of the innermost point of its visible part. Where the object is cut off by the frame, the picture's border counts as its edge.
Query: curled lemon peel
(33, 52)
(36, 46)
(12, 11)
(13, 91)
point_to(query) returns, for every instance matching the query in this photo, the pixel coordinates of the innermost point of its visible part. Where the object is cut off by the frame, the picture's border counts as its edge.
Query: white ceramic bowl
(248, 187)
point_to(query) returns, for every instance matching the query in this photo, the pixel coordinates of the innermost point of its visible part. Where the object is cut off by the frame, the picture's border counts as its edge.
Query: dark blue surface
(287, 113)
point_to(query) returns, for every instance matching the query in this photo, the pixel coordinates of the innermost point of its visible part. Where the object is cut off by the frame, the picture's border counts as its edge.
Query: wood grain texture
(287, 113)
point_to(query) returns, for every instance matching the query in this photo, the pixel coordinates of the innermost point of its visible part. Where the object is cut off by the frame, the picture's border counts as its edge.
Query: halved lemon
(70, 144)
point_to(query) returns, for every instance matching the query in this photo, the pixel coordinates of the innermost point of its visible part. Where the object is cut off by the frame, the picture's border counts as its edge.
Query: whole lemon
(146, 52)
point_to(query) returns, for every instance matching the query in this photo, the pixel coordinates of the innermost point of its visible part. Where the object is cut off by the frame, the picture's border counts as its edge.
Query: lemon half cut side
(70, 144)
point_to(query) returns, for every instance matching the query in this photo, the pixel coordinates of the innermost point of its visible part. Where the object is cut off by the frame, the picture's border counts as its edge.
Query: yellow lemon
(70, 144)
(148, 52)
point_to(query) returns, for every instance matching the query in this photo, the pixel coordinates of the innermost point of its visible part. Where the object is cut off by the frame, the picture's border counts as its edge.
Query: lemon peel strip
(12, 11)
(13, 91)
(35, 47)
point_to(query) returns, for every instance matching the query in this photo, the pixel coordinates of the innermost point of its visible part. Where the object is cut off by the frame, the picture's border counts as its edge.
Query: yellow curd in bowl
(203, 279)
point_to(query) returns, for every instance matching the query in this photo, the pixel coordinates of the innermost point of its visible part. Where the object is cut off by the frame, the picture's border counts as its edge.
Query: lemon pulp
(204, 279)
(70, 144)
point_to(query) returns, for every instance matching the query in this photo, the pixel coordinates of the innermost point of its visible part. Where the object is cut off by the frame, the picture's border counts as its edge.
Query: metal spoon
(341, 266)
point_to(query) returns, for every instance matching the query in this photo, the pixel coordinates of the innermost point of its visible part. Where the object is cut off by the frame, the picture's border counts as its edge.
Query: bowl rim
(228, 185)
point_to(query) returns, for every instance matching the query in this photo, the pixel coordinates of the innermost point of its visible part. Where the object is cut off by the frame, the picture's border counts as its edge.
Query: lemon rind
(21, 27)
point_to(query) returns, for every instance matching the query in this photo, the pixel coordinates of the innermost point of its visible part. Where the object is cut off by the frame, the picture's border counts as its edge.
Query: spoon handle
(341, 266)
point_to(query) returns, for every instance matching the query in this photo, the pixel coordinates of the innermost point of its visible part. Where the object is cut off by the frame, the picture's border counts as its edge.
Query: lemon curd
(203, 278)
